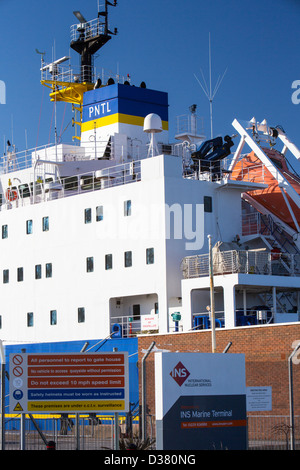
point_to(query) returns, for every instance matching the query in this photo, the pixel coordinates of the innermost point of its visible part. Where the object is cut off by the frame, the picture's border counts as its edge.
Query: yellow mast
(69, 92)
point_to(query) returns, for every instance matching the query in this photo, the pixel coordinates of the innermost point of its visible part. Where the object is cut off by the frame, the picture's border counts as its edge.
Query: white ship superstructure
(108, 237)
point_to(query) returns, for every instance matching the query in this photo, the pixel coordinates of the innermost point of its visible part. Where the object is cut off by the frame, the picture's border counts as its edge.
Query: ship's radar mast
(88, 37)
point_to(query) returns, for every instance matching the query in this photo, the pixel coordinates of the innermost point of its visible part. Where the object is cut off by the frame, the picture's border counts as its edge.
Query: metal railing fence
(265, 432)
(63, 432)
(244, 262)
(49, 187)
(88, 30)
(272, 432)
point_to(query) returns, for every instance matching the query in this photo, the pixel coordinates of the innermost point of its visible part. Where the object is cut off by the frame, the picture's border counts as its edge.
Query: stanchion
(51, 445)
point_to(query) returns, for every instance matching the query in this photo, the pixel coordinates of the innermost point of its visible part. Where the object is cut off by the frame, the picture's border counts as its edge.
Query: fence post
(77, 432)
(23, 434)
(116, 421)
(116, 431)
(2, 354)
(143, 379)
(291, 398)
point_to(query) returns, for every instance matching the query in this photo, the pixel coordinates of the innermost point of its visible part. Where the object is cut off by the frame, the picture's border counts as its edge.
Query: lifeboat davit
(250, 168)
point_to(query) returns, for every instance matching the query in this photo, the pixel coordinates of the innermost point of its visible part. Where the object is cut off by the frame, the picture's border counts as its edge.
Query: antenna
(41, 53)
(80, 17)
(152, 126)
(53, 69)
(208, 91)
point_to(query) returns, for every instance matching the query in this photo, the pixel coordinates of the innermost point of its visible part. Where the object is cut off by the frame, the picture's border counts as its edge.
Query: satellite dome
(152, 123)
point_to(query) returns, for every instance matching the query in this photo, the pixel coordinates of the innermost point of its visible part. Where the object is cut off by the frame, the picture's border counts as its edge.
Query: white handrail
(47, 187)
(243, 261)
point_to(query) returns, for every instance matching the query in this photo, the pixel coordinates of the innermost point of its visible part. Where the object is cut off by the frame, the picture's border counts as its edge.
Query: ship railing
(76, 74)
(253, 223)
(126, 326)
(48, 186)
(255, 173)
(87, 30)
(243, 262)
(14, 160)
(190, 125)
(256, 315)
(218, 170)
(101, 179)
(67, 73)
(202, 320)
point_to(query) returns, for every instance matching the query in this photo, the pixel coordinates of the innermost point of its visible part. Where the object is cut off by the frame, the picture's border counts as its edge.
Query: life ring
(11, 194)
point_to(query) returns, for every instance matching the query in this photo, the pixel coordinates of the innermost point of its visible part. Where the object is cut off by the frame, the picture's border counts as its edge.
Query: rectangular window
(49, 270)
(5, 276)
(99, 213)
(128, 259)
(150, 255)
(38, 271)
(81, 315)
(156, 307)
(87, 216)
(45, 224)
(29, 227)
(30, 319)
(53, 317)
(90, 265)
(0, 322)
(127, 208)
(108, 262)
(207, 203)
(20, 274)
(4, 231)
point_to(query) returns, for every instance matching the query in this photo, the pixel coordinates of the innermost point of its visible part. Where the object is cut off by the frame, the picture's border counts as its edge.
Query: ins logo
(179, 373)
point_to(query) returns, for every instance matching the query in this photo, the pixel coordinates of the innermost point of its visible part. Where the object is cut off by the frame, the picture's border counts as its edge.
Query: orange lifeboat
(250, 168)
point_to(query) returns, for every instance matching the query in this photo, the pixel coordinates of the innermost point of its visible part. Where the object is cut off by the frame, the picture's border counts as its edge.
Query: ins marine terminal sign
(200, 401)
(69, 382)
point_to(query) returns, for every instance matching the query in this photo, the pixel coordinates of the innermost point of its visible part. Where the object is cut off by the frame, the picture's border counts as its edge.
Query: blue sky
(164, 43)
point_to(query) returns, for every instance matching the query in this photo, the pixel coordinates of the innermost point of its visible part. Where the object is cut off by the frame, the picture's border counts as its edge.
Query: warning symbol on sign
(17, 359)
(18, 371)
(18, 407)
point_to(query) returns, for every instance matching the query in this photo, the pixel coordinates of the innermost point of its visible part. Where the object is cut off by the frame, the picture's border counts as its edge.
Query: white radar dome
(152, 123)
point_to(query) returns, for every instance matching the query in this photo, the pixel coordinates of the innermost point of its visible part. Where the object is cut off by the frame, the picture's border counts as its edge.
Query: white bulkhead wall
(66, 245)
(129, 142)
(154, 201)
(187, 223)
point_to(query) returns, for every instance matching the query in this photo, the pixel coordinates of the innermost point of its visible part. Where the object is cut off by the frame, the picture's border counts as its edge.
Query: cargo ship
(126, 232)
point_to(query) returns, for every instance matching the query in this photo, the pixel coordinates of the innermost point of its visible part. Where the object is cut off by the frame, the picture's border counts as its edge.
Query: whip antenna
(210, 94)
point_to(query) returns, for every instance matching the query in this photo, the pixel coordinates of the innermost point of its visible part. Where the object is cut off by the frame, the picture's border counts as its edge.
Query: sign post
(69, 383)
